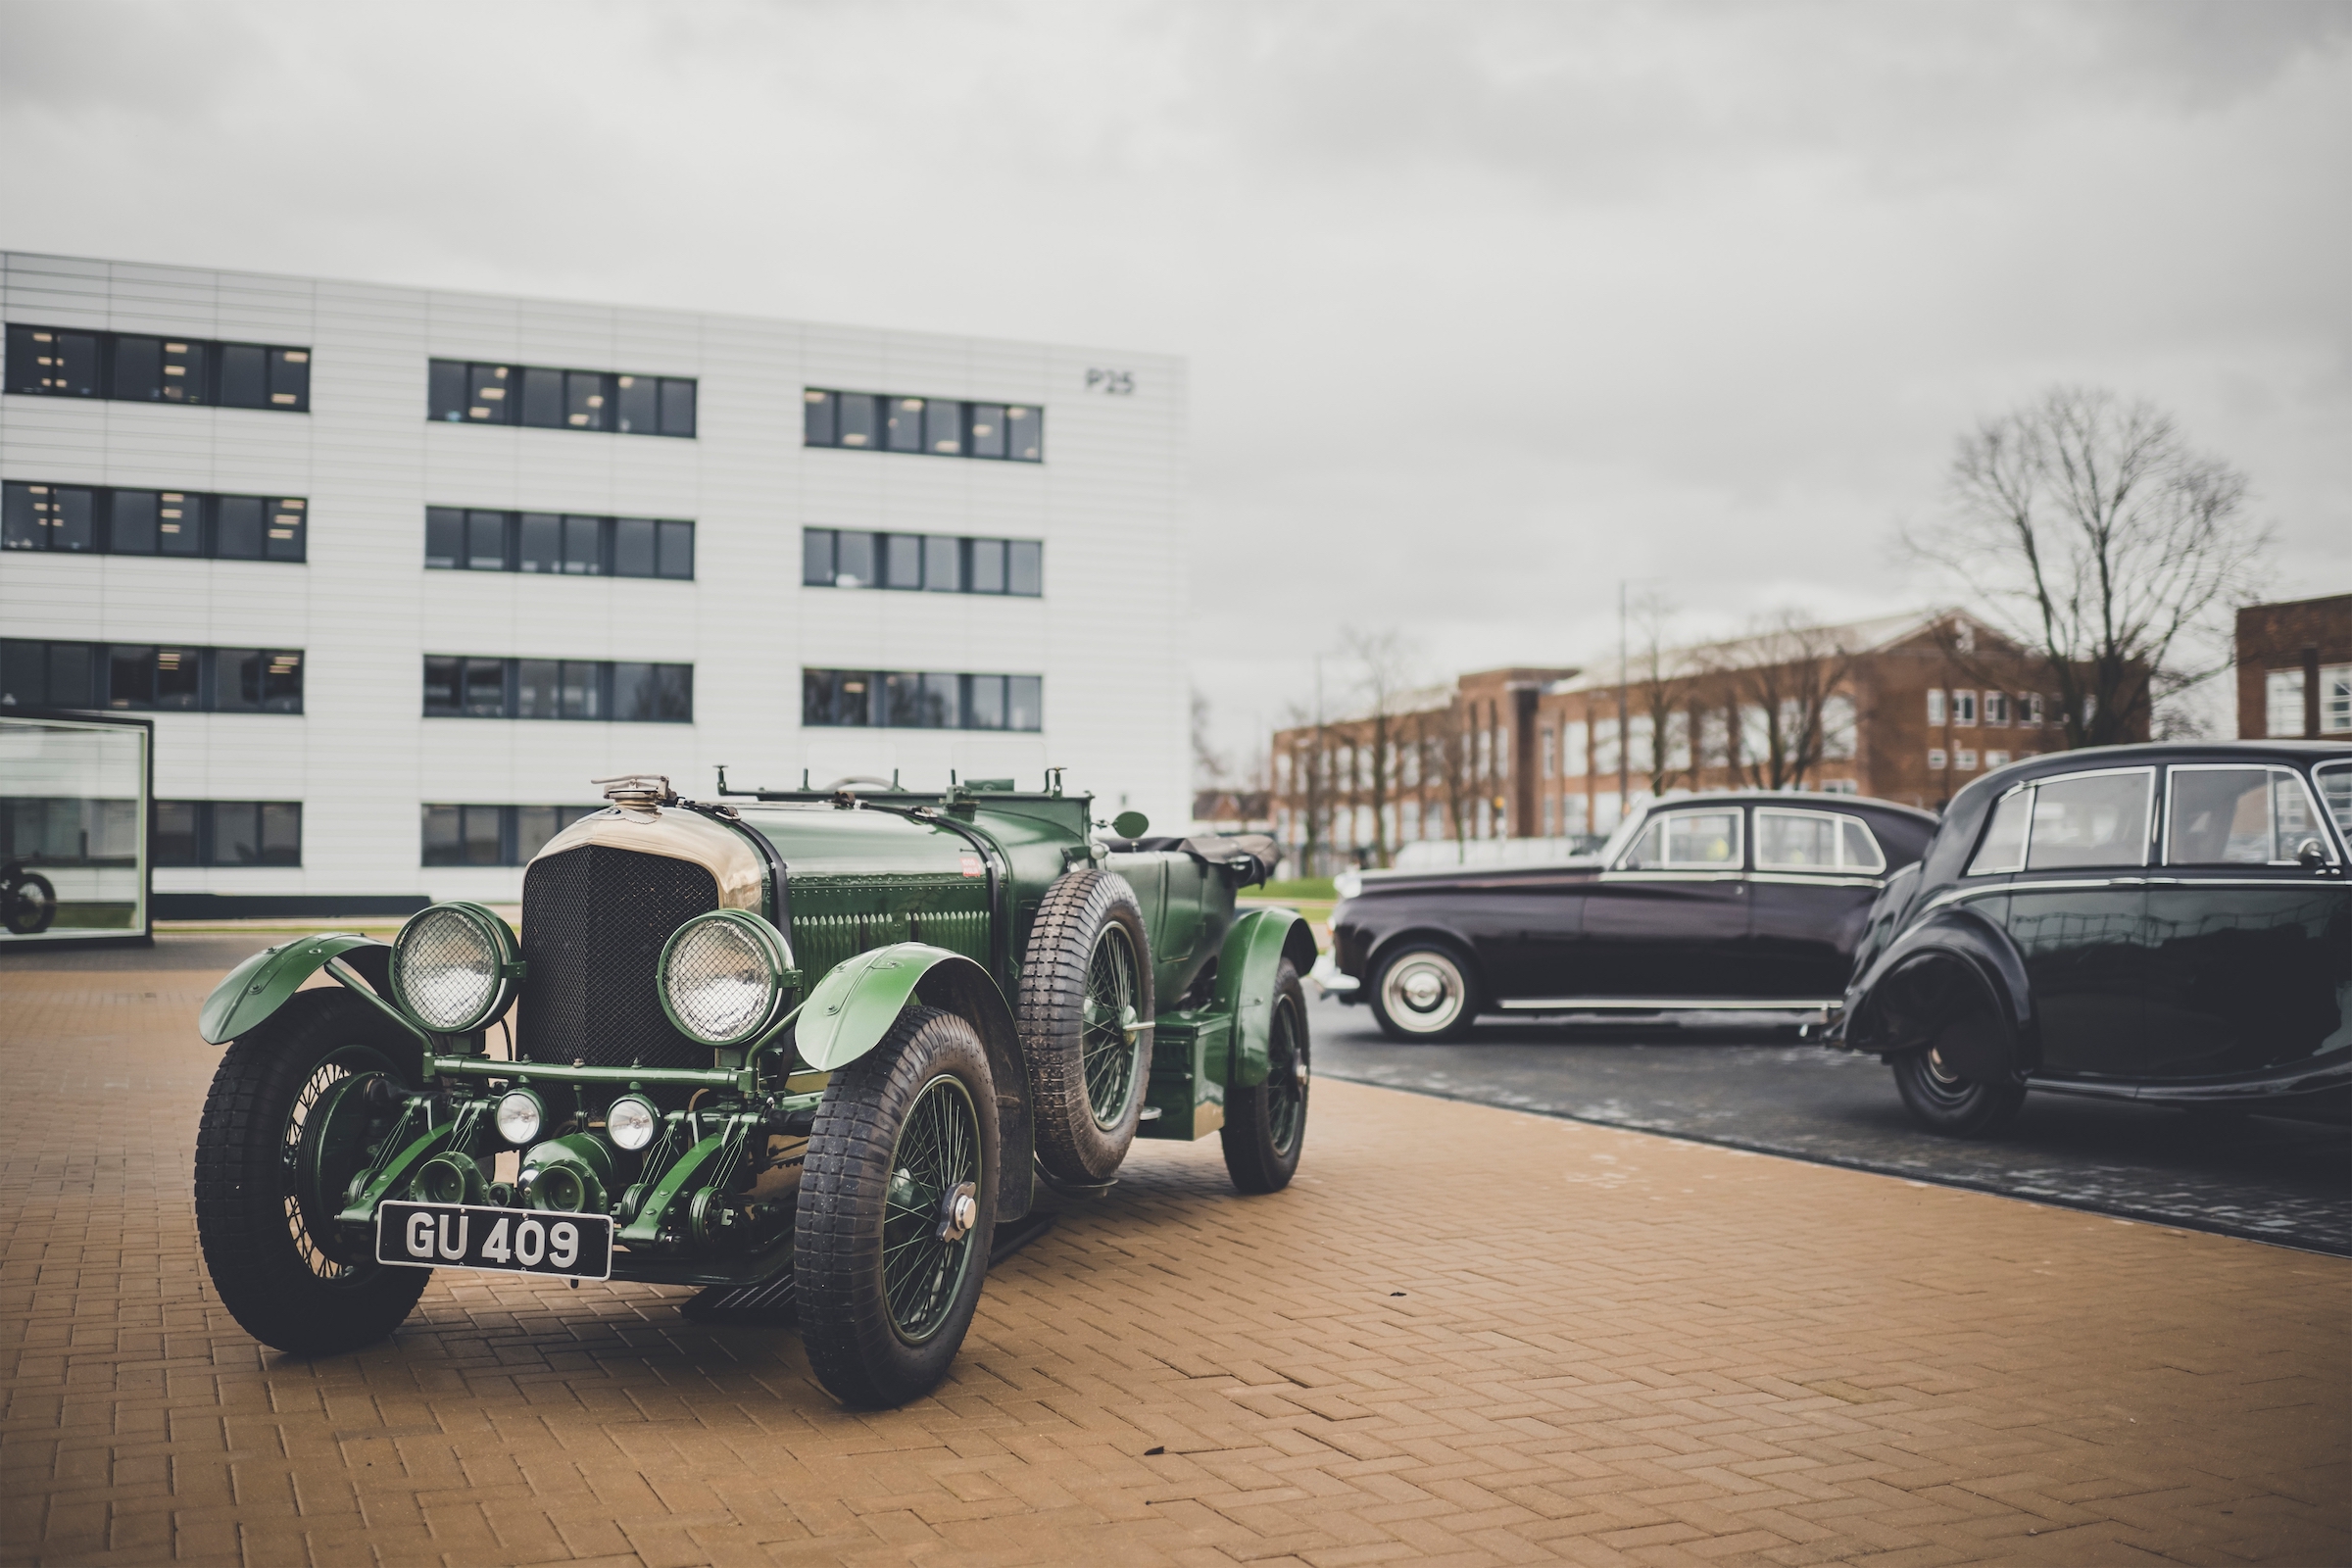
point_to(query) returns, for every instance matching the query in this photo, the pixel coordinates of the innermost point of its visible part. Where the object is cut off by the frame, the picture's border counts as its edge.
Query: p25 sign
(1111, 383)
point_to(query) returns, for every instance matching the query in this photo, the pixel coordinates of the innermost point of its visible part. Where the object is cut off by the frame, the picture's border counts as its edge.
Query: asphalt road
(2255, 1176)
(2261, 1177)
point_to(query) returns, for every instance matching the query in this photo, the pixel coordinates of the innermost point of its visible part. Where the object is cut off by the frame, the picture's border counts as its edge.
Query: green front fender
(1247, 965)
(261, 985)
(853, 1006)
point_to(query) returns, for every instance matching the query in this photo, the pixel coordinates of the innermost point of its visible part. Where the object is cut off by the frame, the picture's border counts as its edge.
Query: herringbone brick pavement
(1464, 1336)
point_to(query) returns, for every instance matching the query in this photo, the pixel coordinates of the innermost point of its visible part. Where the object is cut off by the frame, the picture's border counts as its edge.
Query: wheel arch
(1246, 966)
(1878, 1018)
(261, 985)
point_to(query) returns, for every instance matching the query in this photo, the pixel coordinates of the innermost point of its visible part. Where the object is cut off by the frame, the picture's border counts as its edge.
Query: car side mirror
(1131, 824)
(2311, 855)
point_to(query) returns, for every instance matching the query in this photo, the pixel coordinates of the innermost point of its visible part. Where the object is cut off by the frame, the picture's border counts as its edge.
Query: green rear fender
(853, 1006)
(1253, 953)
(261, 985)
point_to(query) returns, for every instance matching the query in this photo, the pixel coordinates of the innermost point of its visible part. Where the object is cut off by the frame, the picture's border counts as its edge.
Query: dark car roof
(1956, 837)
(1808, 798)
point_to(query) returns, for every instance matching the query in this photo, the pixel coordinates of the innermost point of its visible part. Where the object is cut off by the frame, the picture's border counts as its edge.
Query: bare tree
(1311, 782)
(1450, 761)
(2093, 537)
(1660, 692)
(1209, 765)
(1386, 666)
(1778, 683)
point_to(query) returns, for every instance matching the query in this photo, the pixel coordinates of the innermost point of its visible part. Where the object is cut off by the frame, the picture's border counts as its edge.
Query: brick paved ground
(1465, 1336)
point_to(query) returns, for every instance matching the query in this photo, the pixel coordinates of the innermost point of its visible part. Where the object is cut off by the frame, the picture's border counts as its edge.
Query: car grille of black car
(594, 920)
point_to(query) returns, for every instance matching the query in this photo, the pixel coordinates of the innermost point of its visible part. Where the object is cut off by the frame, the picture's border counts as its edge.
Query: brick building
(1905, 707)
(2294, 668)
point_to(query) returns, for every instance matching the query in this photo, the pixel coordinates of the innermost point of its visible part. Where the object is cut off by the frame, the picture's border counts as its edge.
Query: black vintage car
(1710, 903)
(2167, 923)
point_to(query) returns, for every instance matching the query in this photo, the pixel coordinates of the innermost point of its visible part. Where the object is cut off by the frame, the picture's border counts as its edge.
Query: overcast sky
(1487, 306)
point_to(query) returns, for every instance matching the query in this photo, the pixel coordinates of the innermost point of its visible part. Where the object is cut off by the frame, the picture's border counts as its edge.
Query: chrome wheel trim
(1423, 993)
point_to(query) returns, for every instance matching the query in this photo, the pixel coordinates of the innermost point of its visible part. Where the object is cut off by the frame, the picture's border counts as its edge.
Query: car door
(1668, 919)
(1524, 924)
(1809, 894)
(2251, 949)
(2077, 912)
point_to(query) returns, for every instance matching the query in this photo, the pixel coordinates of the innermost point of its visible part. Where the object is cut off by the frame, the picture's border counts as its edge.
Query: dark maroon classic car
(1705, 903)
(2167, 924)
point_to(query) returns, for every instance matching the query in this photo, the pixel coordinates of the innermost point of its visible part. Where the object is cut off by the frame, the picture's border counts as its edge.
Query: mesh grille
(718, 980)
(594, 920)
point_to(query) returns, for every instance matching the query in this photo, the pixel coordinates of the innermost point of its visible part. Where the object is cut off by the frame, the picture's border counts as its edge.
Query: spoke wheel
(1084, 1008)
(933, 1199)
(1110, 1026)
(267, 1189)
(896, 1210)
(1265, 1124)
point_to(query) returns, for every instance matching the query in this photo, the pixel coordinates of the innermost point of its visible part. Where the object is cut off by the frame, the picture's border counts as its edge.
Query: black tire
(1087, 1070)
(1265, 1126)
(1424, 991)
(31, 902)
(285, 1285)
(885, 1301)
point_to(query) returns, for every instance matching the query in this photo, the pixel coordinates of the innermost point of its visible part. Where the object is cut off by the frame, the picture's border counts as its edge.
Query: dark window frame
(33, 346)
(511, 523)
(465, 673)
(20, 499)
(206, 833)
(1030, 551)
(822, 425)
(278, 676)
(589, 402)
(507, 822)
(877, 698)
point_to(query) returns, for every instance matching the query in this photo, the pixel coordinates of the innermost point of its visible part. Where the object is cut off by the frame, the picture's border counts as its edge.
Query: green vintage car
(808, 1050)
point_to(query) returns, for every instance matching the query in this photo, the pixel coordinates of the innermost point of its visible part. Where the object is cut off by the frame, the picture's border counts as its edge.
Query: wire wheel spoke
(938, 1151)
(1286, 1078)
(1107, 1024)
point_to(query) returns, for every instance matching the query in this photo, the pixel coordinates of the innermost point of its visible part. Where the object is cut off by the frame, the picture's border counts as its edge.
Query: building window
(493, 835)
(99, 520)
(1995, 759)
(1837, 728)
(470, 539)
(1936, 761)
(2029, 707)
(1996, 708)
(906, 700)
(939, 563)
(471, 392)
(227, 833)
(618, 691)
(939, 428)
(2283, 693)
(1964, 708)
(1935, 707)
(133, 368)
(1965, 760)
(149, 678)
(2335, 699)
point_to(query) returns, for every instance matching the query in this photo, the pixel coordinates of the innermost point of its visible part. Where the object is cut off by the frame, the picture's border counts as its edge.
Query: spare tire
(1085, 1016)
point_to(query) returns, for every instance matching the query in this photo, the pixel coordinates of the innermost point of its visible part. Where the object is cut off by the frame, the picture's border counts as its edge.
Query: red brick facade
(2294, 668)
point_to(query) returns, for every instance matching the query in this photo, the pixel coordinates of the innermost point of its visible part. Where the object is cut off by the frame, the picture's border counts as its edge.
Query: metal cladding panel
(594, 920)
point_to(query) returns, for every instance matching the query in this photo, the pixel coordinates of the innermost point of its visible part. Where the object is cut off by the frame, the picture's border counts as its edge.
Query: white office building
(397, 571)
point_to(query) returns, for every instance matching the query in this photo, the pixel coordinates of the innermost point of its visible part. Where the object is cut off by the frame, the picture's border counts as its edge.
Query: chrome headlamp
(520, 1116)
(454, 967)
(631, 1122)
(722, 976)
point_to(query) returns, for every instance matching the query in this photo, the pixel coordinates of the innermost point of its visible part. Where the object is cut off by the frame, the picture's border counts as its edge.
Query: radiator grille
(594, 920)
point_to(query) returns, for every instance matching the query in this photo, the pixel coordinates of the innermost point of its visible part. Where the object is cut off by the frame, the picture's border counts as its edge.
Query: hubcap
(1108, 1025)
(931, 1208)
(1423, 992)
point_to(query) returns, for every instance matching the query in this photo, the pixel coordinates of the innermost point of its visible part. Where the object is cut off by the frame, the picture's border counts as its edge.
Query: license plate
(508, 1241)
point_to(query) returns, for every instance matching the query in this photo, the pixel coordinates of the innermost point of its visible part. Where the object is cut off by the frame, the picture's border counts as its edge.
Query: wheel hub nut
(1423, 988)
(958, 1212)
